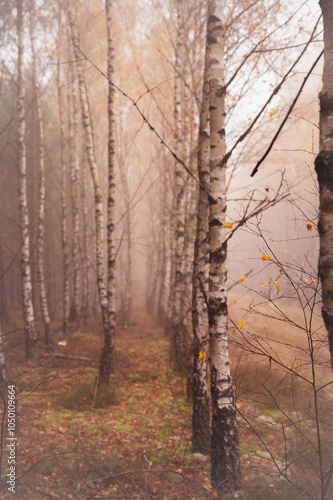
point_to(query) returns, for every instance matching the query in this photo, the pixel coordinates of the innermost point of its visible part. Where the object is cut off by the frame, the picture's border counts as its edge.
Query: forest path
(133, 440)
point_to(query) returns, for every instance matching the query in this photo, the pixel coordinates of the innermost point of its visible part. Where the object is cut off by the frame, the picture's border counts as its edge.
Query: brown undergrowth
(133, 440)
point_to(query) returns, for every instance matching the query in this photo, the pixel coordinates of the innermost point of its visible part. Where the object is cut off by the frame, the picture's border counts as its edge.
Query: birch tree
(28, 310)
(41, 202)
(73, 127)
(226, 472)
(324, 168)
(201, 414)
(64, 243)
(106, 361)
(177, 338)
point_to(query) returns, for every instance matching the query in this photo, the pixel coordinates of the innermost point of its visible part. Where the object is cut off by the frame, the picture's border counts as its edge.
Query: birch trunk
(128, 281)
(41, 202)
(324, 168)
(74, 175)
(106, 366)
(200, 416)
(86, 295)
(28, 310)
(178, 348)
(225, 472)
(64, 243)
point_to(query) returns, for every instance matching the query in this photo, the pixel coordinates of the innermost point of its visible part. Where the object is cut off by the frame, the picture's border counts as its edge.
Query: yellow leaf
(202, 355)
(228, 225)
(306, 280)
(241, 324)
(62, 342)
(272, 112)
(309, 225)
(277, 287)
(264, 284)
(313, 280)
(243, 278)
(265, 257)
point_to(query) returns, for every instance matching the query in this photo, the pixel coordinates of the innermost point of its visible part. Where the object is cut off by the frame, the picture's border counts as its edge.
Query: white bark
(28, 311)
(41, 202)
(226, 474)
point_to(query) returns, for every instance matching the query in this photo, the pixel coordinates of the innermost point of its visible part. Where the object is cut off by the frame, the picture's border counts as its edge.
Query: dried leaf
(277, 287)
(241, 324)
(243, 278)
(265, 257)
(202, 355)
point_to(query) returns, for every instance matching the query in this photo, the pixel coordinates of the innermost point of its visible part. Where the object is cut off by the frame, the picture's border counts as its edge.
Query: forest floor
(134, 439)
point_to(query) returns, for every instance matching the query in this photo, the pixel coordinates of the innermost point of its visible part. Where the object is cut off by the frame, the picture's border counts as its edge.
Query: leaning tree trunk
(41, 203)
(64, 243)
(28, 310)
(225, 472)
(106, 361)
(200, 416)
(324, 168)
(106, 366)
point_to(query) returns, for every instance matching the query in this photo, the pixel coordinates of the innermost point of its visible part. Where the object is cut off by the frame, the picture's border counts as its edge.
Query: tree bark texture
(41, 200)
(324, 168)
(178, 347)
(106, 366)
(64, 240)
(73, 126)
(86, 292)
(28, 310)
(201, 414)
(99, 217)
(225, 472)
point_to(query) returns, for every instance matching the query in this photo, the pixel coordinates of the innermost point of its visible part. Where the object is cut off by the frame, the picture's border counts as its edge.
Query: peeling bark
(28, 310)
(324, 169)
(225, 472)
